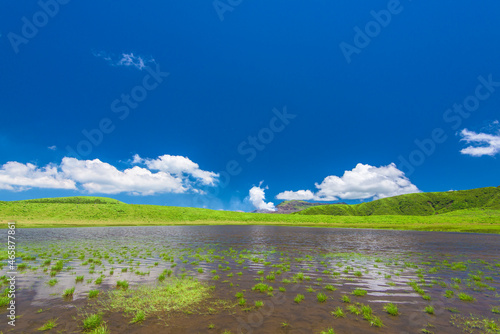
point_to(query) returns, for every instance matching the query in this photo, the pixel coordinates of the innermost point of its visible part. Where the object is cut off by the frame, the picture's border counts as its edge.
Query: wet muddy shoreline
(272, 265)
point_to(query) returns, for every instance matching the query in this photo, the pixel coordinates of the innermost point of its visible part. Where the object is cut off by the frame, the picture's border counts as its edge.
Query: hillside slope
(295, 206)
(420, 204)
(73, 200)
(92, 212)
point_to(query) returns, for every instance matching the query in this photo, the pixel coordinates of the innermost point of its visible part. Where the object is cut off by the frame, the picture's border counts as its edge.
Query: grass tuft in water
(359, 292)
(93, 293)
(338, 312)
(346, 299)
(298, 298)
(69, 292)
(92, 322)
(139, 317)
(465, 297)
(122, 285)
(321, 297)
(391, 309)
(48, 325)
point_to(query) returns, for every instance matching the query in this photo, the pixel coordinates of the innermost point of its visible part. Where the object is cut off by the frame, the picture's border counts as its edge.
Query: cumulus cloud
(178, 165)
(17, 176)
(95, 176)
(480, 144)
(299, 195)
(52, 148)
(257, 196)
(125, 59)
(362, 182)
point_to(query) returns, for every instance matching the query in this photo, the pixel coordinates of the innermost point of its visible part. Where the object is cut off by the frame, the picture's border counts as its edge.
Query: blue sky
(336, 95)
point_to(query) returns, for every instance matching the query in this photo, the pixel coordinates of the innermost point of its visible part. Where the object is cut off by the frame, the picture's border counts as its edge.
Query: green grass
(480, 213)
(52, 281)
(375, 321)
(298, 298)
(321, 297)
(429, 309)
(4, 301)
(419, 204)
(122, 285)
(103, 329)
(391, 309)
(338, 312)
(465, 297)
(261, 287)
(328, 331)
(139, 317)
(92, 322)
(48, 325)
(475, 324)
(346, 299)
(69, 292)
(93, 293)
(354, 309)
(174, 294)
(359, 292)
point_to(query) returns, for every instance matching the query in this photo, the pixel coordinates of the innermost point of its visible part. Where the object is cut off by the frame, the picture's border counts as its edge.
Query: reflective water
(380, 262)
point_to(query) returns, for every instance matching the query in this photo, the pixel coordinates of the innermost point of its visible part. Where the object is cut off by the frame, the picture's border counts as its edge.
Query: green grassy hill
(475, 211)
(74, 200)
(294, 206)
(420, 204)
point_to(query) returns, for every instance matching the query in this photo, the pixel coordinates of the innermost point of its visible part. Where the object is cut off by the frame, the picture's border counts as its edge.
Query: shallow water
(378, 261)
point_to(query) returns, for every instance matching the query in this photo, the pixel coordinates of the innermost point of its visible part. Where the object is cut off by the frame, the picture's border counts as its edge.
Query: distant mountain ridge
(418, 204)
(295, 206)
(74, 200)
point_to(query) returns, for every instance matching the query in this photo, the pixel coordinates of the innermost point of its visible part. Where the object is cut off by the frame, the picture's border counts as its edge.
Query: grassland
(419, 204)
(98, 211)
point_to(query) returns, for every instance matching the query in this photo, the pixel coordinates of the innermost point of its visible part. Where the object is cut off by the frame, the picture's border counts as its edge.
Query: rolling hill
(295, 206)
(419, 204)
(475, 210)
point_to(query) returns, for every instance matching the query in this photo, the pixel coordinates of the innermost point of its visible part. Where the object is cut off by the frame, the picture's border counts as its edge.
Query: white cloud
(257, 197)
(490, 143)
(125, 59)
(363, 182)
(17, 176)
(179, 166)
(95, 176)
(131, 60)
(52, 148)
(299, 195)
